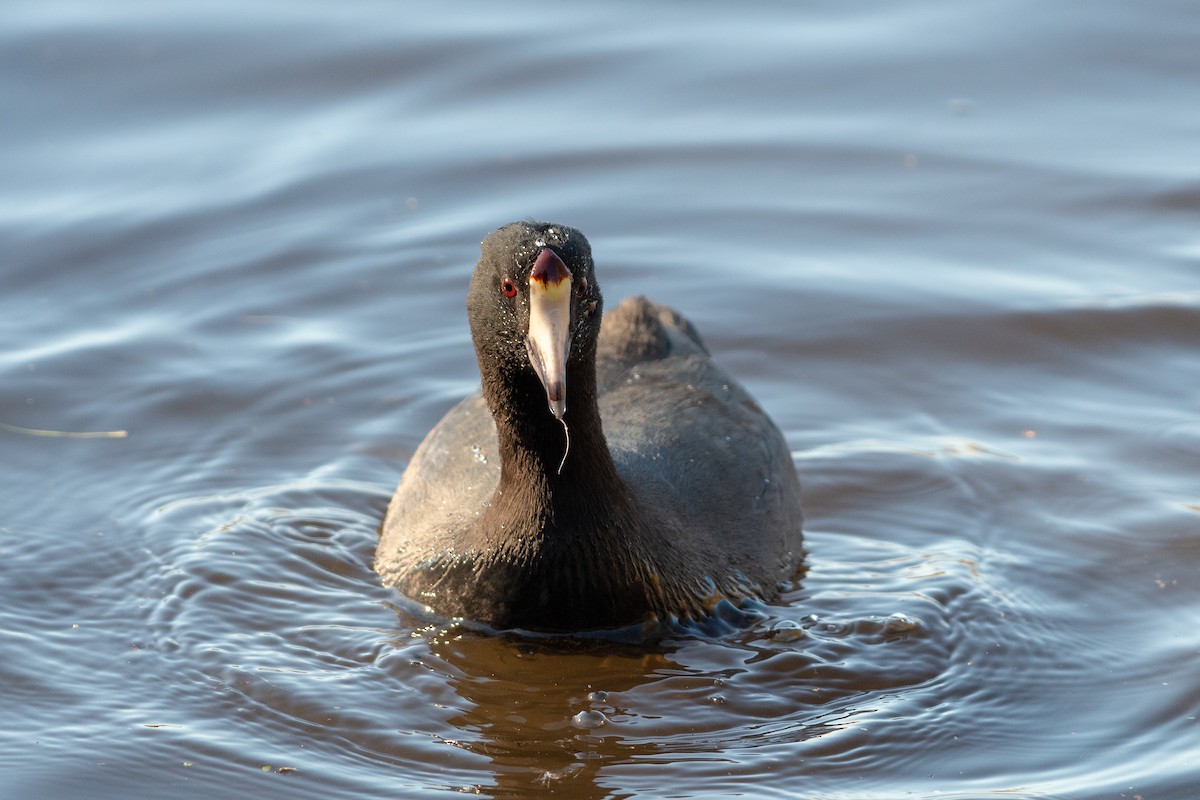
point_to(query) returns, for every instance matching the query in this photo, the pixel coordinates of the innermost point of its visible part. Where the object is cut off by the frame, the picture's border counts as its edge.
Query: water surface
(951, 248)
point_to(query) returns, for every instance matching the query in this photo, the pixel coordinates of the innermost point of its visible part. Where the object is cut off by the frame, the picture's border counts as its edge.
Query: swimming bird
(608, 473)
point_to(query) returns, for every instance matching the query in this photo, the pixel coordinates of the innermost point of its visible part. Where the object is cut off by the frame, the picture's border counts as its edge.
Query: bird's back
(687, 438)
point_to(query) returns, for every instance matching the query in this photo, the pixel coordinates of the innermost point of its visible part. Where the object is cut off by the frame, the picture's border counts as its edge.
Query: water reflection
(548, 713)
(562, 712)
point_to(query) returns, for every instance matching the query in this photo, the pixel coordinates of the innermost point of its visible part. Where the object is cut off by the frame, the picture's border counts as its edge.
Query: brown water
(952, 248)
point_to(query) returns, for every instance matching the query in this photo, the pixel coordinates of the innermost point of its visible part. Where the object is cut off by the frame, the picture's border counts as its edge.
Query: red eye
(508, 287)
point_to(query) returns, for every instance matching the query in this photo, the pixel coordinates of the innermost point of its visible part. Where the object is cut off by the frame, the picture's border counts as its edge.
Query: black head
(541, 272)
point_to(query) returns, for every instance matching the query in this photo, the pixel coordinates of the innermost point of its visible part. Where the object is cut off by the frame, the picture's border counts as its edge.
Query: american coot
(606, 475)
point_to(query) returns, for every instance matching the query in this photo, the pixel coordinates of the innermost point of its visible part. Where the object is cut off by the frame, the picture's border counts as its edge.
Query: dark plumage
(676, 490)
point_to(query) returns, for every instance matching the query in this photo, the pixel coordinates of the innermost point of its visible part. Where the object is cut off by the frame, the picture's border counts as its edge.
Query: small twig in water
(65, 434)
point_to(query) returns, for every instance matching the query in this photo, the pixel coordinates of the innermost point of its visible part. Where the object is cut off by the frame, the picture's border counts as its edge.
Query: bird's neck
(552, 476)
(573, 548)
(564, 549)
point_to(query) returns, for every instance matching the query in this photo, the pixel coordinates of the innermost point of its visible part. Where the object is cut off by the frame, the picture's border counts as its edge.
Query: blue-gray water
(953, 248)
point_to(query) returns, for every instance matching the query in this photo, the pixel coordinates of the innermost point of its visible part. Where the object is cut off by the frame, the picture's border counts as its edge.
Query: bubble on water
(588, 720)
(787, 631)
(549, 776)
(899, 624)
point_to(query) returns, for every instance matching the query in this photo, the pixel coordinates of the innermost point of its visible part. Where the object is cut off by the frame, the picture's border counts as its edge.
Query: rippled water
(953, 248)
